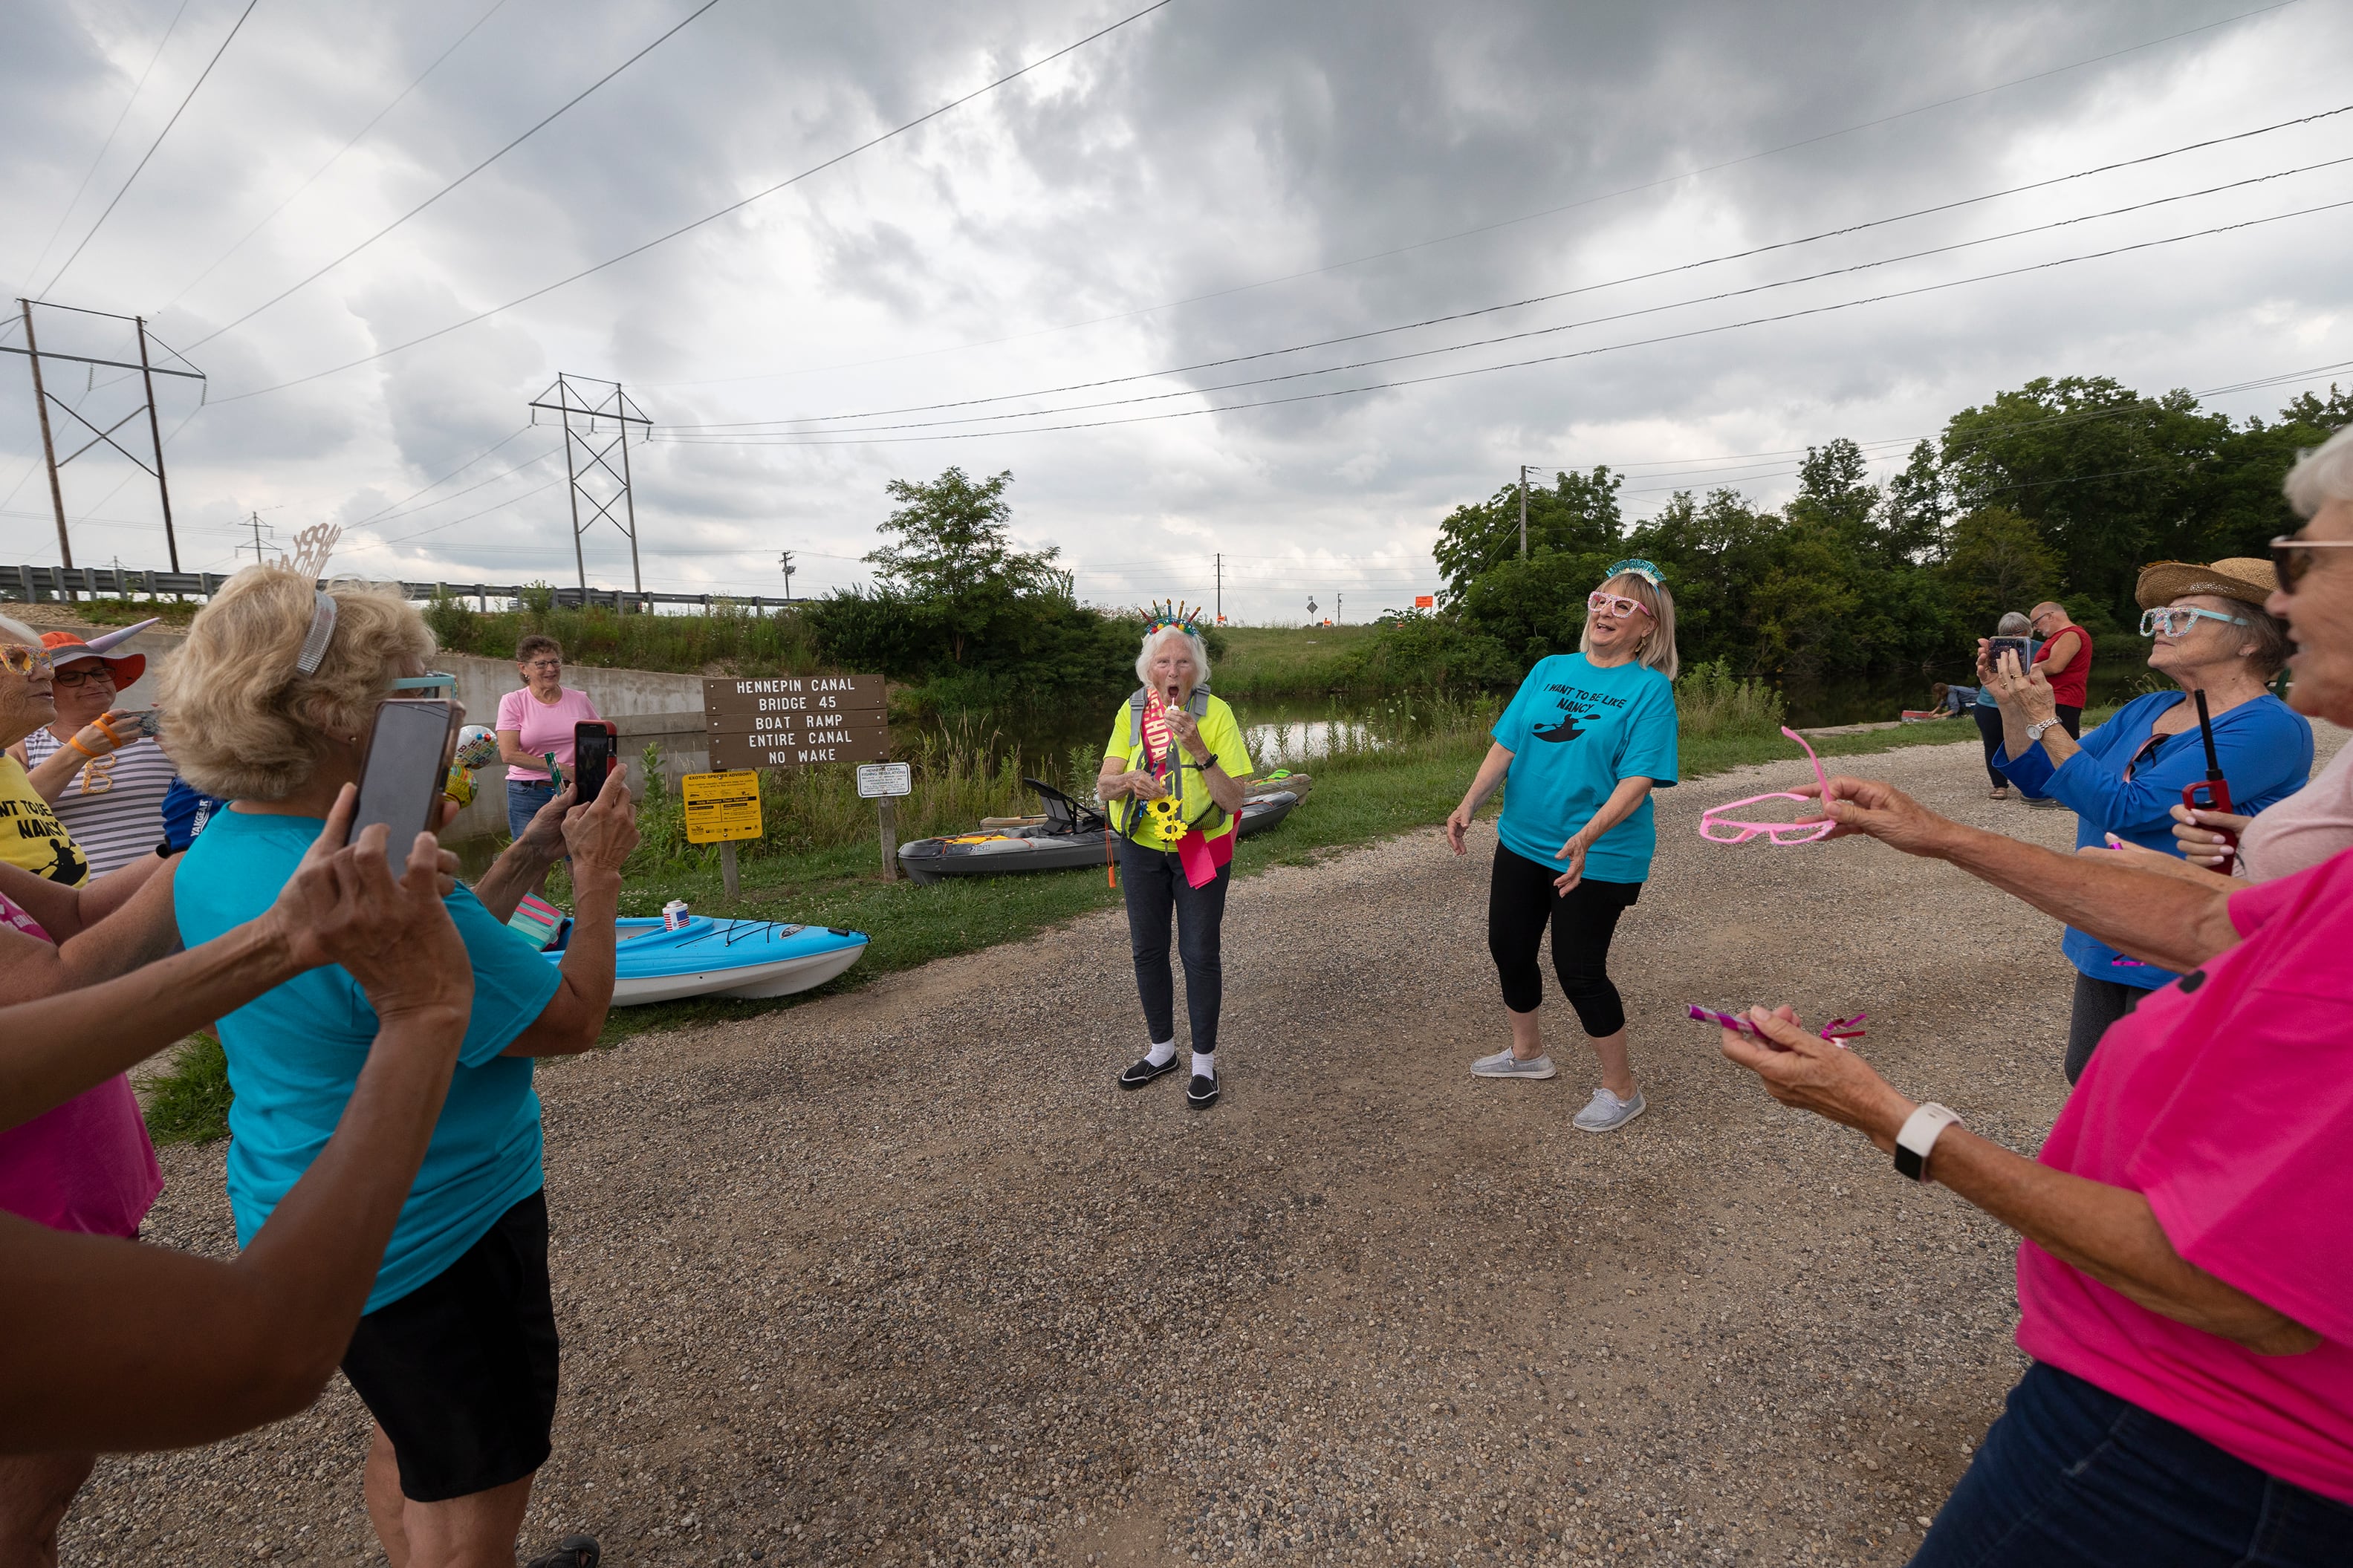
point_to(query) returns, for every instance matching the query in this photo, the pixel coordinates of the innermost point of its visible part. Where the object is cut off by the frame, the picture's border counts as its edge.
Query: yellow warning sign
(721, 806)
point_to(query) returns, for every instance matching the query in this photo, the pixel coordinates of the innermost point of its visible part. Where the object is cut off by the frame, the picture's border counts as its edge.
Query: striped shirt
(114, 806)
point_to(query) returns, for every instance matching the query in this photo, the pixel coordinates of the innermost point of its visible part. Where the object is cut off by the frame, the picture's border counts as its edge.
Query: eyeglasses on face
(1598, 601)
(2292, 558)
(30, 662)
(2175, 620)
(545, 666)
(69, 678)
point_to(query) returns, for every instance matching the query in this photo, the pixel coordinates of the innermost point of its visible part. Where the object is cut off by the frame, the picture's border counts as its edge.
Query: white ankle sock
(1161, 1054)
(1204, 1066)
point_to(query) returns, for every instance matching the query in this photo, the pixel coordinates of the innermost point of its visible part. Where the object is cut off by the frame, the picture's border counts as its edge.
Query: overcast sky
(1219, 178)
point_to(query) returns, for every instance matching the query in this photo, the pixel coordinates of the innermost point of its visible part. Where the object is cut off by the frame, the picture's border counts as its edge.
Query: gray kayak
(1071, 836)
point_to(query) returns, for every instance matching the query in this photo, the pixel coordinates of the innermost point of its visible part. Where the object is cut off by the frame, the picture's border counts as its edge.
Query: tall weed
(1711, 704)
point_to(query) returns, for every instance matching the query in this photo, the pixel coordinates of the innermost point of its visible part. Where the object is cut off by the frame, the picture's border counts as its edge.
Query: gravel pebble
(899, 1276)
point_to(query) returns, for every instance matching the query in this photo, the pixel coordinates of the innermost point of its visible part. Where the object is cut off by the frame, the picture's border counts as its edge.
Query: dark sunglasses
(2292, 558)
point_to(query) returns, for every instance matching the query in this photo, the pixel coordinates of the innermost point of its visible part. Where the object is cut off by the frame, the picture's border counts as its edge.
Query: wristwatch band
(2034, 732)
(1206, 764)
(1918, 1138)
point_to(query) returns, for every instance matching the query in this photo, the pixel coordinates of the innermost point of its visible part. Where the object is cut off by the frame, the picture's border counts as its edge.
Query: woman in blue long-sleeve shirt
(2211, 634)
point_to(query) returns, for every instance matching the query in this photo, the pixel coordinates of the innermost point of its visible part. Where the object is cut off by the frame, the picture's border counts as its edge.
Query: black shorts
(460, 1372)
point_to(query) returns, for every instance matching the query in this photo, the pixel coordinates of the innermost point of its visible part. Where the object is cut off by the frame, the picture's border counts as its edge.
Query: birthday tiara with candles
(1160, 617)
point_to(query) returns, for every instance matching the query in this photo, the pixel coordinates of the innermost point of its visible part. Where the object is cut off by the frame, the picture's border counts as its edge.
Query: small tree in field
(951, 553)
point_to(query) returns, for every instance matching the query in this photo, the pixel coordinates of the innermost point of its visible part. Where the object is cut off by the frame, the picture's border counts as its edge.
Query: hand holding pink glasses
(1717, 828)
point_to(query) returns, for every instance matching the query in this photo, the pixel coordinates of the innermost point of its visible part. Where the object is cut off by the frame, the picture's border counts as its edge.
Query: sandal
(571, 1551)
(1998, 794)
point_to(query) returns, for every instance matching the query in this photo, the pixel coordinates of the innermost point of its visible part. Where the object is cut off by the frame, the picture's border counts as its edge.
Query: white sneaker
(1503, 1064)
(1605, 1113)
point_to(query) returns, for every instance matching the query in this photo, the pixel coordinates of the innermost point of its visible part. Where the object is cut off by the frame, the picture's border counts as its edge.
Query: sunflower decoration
(1168, 819)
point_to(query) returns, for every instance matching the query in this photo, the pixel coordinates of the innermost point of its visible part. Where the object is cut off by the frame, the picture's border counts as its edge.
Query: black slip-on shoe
(571, 1551)
(1137, 1074)
(1202, 1092)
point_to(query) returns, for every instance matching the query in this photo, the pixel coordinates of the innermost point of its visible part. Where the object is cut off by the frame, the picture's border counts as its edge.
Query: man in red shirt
(2065, 660)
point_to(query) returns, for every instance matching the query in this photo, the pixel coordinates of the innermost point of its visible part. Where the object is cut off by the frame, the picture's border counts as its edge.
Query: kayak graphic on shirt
(1566, 730)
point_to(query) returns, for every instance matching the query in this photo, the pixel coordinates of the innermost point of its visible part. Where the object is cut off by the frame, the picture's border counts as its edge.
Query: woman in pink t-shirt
(533, 723)
(2185, 1270)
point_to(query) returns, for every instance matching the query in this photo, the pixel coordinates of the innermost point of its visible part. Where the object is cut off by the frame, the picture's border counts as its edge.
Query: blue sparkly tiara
(1635, 566)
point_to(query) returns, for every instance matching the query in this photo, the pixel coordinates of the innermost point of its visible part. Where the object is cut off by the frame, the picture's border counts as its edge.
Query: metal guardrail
(35, 583)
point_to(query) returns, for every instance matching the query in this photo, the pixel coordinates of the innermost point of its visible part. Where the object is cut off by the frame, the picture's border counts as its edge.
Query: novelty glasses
(1716, 828)
(1598, 601)
(2292, 557)
(30, 662)
(2175, 620)
(1838, 1031)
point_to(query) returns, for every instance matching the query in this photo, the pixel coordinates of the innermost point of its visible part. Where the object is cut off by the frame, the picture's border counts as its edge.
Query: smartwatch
(1918, 1137)
(1206, 764)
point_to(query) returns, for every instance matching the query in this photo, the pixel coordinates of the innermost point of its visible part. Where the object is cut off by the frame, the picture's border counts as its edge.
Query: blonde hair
(1658, 649)
(1153, 640)
(248, 725)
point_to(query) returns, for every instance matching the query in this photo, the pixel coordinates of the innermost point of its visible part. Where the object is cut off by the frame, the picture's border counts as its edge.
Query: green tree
(1913, 516)
(954, 561)
(2000, 562)
(1575, 512)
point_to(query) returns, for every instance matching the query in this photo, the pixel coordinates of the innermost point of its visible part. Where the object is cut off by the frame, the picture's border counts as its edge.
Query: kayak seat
(1064, 815)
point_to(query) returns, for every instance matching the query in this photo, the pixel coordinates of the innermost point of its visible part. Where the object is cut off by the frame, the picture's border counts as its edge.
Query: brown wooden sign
(859, 694)
(803, 748)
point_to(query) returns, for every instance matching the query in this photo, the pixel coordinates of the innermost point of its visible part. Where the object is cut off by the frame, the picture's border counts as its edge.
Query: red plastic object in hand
(2213, 795)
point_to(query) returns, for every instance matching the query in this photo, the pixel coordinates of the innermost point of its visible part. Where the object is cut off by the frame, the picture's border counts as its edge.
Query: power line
(108, 146)
(712, 217)
(1503, 222)
(798, 438)
(199, 82)
(444, 479)
(496, 6)
(550, 119)
(1593, 287)
(453, 495)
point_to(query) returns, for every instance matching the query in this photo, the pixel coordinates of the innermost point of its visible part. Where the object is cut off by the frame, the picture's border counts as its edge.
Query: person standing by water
(1585, 740)
(1154, 745)
(534, 722)
(1987, 715)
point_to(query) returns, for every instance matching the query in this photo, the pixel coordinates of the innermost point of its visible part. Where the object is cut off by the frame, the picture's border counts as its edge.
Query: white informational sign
(879, 779)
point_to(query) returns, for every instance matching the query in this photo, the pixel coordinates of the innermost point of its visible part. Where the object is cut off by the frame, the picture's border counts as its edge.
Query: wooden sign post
(884, 783)
(720, 809)
(792, 721)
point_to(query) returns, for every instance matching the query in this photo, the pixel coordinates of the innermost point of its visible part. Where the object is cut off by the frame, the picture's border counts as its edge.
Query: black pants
(1154, 881)
(1989, 719)
(2098, 1004)
(1520, 902)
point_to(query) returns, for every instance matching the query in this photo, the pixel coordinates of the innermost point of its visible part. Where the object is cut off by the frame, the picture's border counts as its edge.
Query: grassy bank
(1289, 661)
(819, 863)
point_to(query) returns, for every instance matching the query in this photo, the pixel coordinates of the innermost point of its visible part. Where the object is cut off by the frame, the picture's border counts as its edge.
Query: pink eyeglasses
(1598, 601)
(1713, 818)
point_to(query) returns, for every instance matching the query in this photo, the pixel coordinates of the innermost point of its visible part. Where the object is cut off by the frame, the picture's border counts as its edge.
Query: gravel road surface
(900, 1277)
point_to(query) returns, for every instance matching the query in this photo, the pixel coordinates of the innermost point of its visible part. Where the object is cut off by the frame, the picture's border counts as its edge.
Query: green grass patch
(189, 1104)
(1289, 661)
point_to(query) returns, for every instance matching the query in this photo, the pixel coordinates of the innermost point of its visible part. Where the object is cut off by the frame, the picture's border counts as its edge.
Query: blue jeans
(1154, 881)
(2074, 1476)
(523, 801)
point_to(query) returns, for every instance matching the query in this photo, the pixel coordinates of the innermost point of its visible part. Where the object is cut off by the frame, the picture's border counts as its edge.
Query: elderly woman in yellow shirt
(1171, 779)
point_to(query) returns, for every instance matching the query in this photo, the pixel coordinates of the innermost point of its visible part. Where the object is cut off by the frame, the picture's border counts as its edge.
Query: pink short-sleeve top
(546, 727)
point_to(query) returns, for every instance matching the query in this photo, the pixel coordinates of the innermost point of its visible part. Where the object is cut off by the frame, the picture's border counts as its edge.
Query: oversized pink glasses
(1717, 829)
(1598, 601)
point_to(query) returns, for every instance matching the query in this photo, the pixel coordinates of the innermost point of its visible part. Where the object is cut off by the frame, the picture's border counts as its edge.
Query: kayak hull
(1024, 850)
(742, 960)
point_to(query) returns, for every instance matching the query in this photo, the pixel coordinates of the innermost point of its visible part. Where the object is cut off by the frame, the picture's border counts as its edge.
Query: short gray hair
(1153, 638)
(2322, 475)
(2013, 623)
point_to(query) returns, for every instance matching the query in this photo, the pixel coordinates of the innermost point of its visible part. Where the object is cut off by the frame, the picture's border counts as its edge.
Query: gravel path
(900, 1277)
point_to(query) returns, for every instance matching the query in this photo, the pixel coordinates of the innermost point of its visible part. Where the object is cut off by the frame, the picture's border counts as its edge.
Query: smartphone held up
(407, 763)
(595, 746)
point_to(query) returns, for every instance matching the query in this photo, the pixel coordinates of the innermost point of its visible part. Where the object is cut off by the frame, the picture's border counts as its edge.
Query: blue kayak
(709, 957)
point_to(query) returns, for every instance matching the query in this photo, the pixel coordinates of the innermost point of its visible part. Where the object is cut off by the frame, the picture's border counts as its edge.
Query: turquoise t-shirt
(295, 1053)
(1574, 730)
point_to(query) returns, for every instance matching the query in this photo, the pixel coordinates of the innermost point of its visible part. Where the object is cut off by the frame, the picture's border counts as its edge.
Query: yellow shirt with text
(30, 834)
(1221, 734)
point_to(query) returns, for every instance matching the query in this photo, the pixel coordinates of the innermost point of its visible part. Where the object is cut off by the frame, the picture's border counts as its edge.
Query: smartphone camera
(594, 746)
(1997, 646)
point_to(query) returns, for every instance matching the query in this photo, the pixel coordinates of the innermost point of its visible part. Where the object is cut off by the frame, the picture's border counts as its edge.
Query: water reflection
(1303, 740)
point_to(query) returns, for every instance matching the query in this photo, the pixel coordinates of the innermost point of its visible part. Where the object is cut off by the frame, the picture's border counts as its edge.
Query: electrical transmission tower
(43, 400)
(596, 417)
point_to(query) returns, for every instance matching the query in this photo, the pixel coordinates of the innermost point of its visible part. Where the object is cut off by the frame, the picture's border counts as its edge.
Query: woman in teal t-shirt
(1586, 738)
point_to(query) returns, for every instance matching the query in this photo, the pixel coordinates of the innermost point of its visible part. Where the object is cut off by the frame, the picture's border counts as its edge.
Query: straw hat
(66, 648)
(2241, 577)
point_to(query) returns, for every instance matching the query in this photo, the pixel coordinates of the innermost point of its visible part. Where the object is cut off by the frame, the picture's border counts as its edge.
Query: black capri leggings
(1520, 900)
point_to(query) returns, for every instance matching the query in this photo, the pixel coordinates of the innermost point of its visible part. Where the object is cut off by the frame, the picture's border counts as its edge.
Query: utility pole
(784, 558)
(1337, 601)
(48, 444)
(258, 526)
(1523, 511)
(43, 398)
(573, 400)
(1222, 590)
(155, 435)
